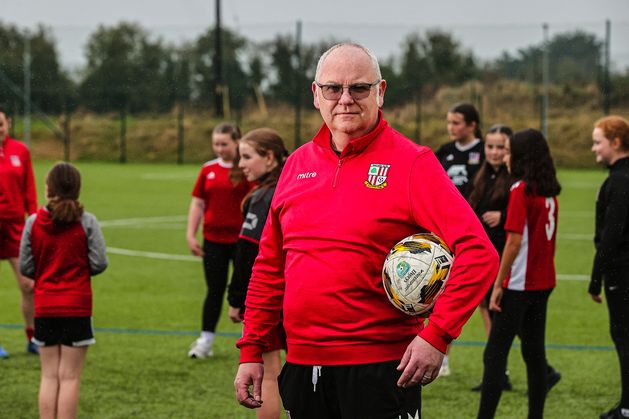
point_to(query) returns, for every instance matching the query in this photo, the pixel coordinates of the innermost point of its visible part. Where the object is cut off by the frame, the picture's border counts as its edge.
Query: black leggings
(523, 313)
(617, 295)
(215, 266)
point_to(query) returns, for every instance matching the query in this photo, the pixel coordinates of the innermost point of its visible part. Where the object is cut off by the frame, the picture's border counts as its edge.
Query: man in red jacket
(329, 229)
(17, 198)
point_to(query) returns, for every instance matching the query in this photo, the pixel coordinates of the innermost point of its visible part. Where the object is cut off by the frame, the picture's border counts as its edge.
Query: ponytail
(64, 184)
(65, 211)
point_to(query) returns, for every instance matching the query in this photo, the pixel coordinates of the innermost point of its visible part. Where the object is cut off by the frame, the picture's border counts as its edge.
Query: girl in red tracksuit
(216, 199)
(527, 272)
(17, 200)
(62, 247)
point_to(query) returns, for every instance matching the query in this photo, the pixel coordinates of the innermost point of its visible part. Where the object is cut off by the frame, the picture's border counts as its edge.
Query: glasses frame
(349, 87)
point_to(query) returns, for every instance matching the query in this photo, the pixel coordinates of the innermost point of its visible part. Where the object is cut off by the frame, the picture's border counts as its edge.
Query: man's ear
(315, 97)
(382, 87)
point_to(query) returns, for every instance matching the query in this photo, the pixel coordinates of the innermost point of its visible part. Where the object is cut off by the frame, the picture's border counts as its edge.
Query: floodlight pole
(545, 82)
(298, 85)
(27, 89)
(606, 81)
(218, 68)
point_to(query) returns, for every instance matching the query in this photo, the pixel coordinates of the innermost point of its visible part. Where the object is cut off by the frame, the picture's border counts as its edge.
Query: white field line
(142, 221)
(152, 255)
(577, 214)
(187, 258)
(170, 176)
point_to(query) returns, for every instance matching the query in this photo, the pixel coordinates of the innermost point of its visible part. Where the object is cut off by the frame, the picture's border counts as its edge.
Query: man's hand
(249, 374)
(234, 314)
(420, 363)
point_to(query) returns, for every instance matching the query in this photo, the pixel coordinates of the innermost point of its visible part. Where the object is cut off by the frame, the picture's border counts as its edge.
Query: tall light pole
(27, 89)
(545, 82)
(218, 64)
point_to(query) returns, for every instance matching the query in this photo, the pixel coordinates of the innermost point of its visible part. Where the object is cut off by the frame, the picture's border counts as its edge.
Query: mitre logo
(306, 175)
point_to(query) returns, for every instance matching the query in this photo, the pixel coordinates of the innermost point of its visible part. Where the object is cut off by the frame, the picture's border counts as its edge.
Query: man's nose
(346, 98)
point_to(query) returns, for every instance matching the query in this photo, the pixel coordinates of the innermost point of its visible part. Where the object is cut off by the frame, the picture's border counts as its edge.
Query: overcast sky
(485, 26)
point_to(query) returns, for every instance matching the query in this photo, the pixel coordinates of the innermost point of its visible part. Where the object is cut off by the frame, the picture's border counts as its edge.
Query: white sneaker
(200, 349)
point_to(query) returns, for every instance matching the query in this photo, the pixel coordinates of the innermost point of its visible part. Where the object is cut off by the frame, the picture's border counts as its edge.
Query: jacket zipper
(338, 170)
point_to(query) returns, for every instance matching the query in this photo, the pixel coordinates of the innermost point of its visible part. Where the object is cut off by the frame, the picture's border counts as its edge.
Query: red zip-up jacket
(61, 259)
(331, 224)
(17, 183)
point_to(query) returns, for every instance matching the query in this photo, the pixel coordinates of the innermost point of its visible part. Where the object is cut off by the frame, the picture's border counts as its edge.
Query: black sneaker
(612, 414)
(615, 413)
(506, 385)
(552, 378)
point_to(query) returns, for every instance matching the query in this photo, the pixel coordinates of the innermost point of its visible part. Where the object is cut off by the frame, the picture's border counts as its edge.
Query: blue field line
(237, 335)
(139, 331)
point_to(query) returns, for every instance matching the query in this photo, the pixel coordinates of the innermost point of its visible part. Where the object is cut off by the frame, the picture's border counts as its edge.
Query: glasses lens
(332, 91)
(359, 91)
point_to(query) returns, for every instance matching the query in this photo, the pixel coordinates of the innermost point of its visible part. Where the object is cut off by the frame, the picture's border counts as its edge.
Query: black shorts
(67, 331)
(347, 392)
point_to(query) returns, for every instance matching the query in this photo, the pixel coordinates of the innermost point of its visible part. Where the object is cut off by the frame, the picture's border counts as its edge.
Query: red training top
(61, 259)
(333, 220)
(17, 183)
(535, 218)
(222, 218)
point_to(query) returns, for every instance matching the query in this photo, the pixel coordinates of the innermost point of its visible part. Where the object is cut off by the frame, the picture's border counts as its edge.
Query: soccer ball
(415, 273)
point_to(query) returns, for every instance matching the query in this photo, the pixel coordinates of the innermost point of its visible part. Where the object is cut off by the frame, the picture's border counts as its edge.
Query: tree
(126, 71)
(573, 58)
(447, 62)
(52, 91)
(234, 76)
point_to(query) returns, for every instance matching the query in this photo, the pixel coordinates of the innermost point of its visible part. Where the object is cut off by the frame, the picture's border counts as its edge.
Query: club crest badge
(377, 176)
(15, 161)
(474, 158)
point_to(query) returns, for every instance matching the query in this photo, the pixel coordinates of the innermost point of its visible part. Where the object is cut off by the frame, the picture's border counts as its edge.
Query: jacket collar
(355, 146)
(619, 164)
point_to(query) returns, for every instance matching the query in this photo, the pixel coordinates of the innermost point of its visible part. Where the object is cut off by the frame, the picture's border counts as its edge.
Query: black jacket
(497, 234)
(612, 225)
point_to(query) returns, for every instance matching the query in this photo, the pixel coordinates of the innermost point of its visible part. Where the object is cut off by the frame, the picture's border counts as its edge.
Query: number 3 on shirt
(550, 225)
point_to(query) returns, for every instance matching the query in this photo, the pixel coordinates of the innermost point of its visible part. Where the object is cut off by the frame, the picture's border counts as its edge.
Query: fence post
(123, 134)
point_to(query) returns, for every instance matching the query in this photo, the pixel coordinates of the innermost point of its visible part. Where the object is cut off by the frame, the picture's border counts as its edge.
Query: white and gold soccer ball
(415, 273)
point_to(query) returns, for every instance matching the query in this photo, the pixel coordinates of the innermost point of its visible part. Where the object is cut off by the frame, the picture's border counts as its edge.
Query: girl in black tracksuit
(489, 196)
(611, 263)
(261, 158)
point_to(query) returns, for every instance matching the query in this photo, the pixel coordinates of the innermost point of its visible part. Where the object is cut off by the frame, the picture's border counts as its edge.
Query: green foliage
(147, 312)
(51, 88)
(573, 58)
(126, 71)
(204, 62)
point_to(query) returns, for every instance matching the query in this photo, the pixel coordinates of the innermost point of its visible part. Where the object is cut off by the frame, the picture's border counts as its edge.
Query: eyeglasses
(356, 91)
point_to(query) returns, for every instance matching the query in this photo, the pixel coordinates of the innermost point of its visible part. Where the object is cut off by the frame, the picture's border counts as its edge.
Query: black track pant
(523, 313)
(347, 392)
(215, 266)
(617, 295)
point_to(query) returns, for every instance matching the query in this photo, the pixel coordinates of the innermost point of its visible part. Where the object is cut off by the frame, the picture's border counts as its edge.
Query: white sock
(445, 360)
(624, 412)
(207, 336)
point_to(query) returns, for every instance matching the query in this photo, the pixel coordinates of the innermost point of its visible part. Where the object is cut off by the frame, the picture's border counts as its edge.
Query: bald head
(350, 51)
